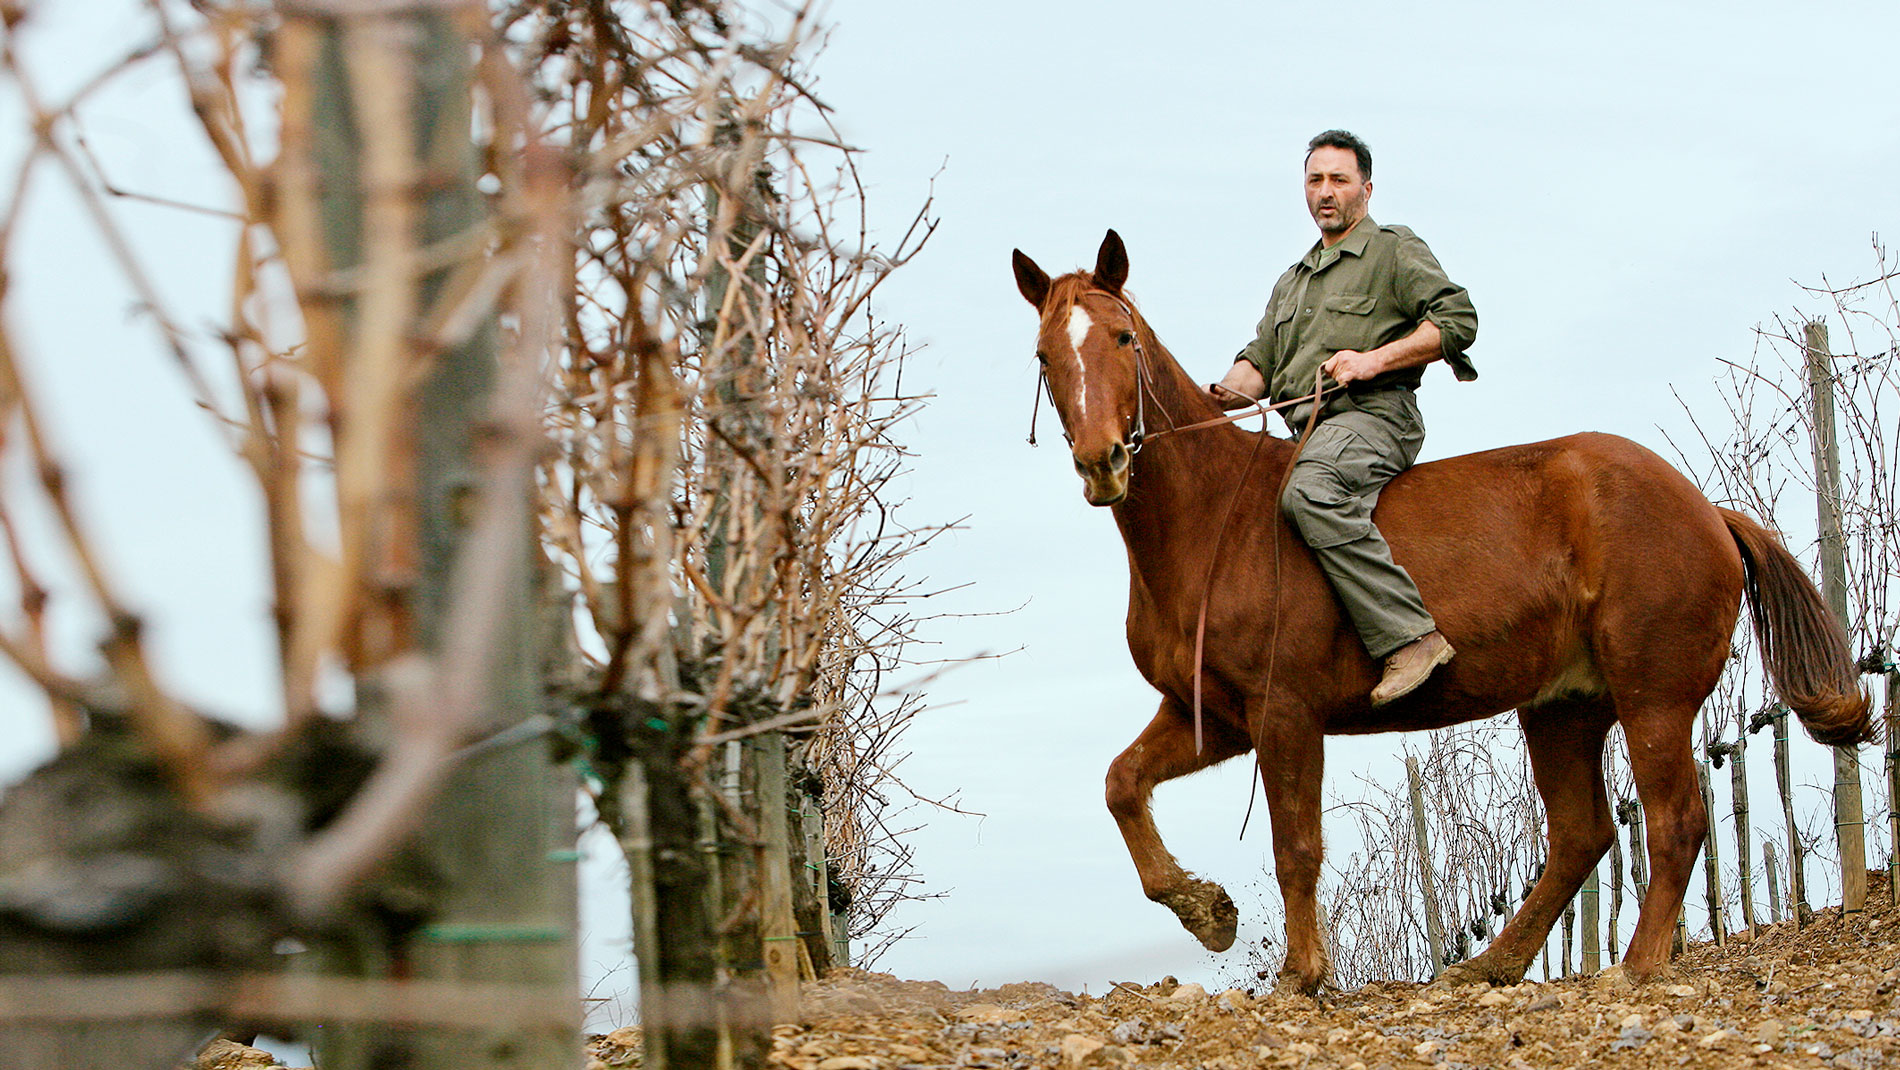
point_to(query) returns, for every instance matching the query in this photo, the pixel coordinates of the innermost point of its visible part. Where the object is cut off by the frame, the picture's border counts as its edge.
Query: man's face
(1336, 194)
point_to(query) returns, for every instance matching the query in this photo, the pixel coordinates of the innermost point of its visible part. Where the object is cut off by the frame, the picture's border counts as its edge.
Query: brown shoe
(1410, 665)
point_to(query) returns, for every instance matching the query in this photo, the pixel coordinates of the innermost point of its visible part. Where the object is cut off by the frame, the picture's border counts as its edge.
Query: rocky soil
(1828, 995)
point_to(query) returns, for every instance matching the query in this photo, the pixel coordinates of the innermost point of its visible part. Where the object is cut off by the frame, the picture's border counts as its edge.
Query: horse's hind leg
(1163, 751)
(1565, 740)
(1662, 759)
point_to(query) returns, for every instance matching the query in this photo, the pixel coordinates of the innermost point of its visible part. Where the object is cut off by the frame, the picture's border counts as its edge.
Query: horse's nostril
(1081, 469)
(1117, 456)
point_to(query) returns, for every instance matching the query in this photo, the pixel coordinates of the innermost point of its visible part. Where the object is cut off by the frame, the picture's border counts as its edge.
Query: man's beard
(1339, 222)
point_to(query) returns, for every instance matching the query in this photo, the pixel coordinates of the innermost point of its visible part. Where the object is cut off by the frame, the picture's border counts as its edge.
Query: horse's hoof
(1621, 979)
(1206, 910)
(1477, 971)
(1294, 983)
(1612, 981)
(1461, 975)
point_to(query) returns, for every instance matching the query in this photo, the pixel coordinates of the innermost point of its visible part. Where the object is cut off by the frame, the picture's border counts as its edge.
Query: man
(1369, 306)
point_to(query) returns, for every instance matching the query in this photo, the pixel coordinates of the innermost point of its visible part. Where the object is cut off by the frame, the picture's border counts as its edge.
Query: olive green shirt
(1374, 286)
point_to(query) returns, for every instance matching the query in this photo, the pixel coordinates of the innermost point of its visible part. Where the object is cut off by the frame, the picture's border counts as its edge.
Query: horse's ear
(1030, 279)
(1111, 263)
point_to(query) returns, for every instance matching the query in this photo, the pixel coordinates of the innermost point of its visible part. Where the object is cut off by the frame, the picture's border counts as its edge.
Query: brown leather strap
(1256, 409)
(1207, 587)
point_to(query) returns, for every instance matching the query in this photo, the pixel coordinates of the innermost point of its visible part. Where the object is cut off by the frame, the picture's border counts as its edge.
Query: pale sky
(1625, 189)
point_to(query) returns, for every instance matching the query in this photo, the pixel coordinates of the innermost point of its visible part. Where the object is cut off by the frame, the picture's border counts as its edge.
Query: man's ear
(1111, 263)
(1030, 279)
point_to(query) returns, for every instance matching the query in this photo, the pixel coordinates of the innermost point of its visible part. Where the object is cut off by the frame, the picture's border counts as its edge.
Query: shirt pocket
(1348, 321)
(1281, 314)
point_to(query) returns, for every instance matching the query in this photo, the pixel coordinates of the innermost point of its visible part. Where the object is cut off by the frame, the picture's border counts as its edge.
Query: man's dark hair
(1342, 139)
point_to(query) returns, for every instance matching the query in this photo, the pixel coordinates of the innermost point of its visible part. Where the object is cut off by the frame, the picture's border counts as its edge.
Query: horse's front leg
(1292, 762)
(1163, 751)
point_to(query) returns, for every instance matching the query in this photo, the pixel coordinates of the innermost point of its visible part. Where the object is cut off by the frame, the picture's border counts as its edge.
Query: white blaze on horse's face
(1091, 361)
(1093, 387)
(1079, 324)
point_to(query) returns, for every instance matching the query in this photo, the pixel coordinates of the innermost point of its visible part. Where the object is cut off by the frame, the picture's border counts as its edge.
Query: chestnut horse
(1584, 582)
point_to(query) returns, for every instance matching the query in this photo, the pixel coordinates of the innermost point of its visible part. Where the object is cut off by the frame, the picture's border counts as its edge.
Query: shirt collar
(1354, 242)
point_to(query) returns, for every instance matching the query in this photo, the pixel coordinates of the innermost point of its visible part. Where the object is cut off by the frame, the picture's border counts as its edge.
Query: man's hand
(1351, 366)
(1419, 347)
(1239, 387)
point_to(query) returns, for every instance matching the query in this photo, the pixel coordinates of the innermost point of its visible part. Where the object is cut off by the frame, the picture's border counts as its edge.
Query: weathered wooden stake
(1614, 946)
(1711, 860)
(1434, 933)
(1797, 855)
(1592, 956)
(636, 842)
(1569, 928)
(1893, 784)
(1738, 793)
(779, 925)
(1639, 857)
(500, 836)
(1849, 816)
(1774, 889)
(811, 822)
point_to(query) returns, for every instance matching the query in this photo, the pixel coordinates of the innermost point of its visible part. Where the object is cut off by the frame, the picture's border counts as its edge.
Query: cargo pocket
(1320, 499)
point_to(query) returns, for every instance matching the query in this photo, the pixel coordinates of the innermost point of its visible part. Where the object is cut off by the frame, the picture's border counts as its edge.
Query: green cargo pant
(1360, 444)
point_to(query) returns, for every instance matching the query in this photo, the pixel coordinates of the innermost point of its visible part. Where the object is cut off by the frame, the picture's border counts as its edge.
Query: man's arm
(1242, 384)
(1424, 345)
(1435, 299)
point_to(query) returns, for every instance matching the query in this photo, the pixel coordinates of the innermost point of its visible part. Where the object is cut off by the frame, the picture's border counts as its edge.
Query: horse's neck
(1183, 486)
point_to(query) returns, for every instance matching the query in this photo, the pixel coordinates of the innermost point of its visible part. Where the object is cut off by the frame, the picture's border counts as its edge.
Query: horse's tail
(1803, 645)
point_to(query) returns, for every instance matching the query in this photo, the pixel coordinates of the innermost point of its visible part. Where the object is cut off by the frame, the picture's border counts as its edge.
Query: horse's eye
(1126, 337)
(1041, 357)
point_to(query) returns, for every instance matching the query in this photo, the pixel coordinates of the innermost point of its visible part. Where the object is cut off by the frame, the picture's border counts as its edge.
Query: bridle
(1144, 385)
(1139, 435)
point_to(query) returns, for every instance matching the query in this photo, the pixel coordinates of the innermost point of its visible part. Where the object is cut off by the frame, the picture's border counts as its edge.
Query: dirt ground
(1825, 996)
(1828, 995)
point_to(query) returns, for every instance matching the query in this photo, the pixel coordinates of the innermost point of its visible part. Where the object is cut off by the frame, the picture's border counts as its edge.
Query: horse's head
(1089, 346)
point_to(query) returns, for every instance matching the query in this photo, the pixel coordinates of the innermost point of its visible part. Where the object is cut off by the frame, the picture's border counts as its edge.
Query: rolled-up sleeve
(1433, 297)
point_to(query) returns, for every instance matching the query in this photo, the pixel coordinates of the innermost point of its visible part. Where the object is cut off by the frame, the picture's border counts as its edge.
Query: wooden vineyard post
(840, 932)
(1592, 957)
(817, 871)
(1711, 860)
(636, 842)
(778, 926)
(389, 89)
(1849, 816)
(1892, 717)
(1639, 855)
(745, 993)
(1738, 793)
(1774, 890)
(1613, 946)
(1784, 784)
(1434, 934)
(1569, 928)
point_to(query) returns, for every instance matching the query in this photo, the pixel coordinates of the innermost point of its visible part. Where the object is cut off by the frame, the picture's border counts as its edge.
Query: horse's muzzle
(1105, 477)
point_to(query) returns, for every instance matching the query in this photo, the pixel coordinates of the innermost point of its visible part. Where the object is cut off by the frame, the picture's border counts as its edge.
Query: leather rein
(1139, 436)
